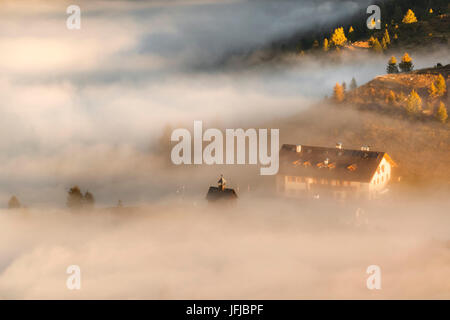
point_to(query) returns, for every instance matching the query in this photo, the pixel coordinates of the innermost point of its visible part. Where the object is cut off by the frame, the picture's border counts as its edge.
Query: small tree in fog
(89, 199)
(376, 46)
(441, 114)
(338, 93)
(386, 37)
(14, 203)
(325, 45)
(383, 44)
(392, 66)
(406, 65)
(351, 33)
(353, 84)
(74, 198)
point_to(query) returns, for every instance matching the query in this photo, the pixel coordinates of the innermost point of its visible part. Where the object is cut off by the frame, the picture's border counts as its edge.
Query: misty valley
(225, 150)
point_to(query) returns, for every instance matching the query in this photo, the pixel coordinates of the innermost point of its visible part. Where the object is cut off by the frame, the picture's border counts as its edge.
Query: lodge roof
(214, 194)
(330, 163)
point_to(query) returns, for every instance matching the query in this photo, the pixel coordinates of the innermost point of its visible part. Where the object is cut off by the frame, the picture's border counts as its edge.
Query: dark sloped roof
(343, 164)
(214, 193)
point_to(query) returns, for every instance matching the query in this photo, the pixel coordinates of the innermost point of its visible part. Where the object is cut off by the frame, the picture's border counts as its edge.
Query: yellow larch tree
(338, 38)
(441, 114)
(409, 17)
(338, 93)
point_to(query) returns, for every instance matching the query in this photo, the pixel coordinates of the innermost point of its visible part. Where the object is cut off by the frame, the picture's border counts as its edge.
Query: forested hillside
(429, 25)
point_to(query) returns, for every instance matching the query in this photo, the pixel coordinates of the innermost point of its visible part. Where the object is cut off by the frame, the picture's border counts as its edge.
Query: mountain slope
(389, 92)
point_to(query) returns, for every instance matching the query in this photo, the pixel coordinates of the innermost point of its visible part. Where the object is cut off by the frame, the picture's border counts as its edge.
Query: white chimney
(339, 145)
(298, 148)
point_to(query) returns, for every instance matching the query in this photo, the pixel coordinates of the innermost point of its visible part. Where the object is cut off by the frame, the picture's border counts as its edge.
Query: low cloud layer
(262, 249)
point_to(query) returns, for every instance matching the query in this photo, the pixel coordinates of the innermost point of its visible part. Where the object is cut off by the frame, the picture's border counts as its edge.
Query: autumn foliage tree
(351, 34)
(409, 17)
(441, 86)
(406, 65)
(386, 36)
(386, 41)
(338, 93)
(338, 39)
(432, 91)
(325, 45)
(392, 65)
(14, 203)
(376, 46)
(391, 98)
(384, 44)
(413, 103)
(441, 114)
